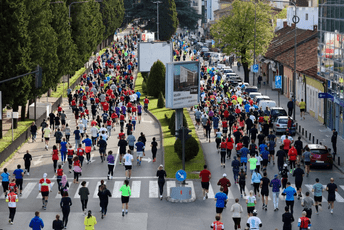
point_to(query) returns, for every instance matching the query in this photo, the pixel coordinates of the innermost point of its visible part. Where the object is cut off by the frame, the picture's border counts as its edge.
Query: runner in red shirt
(217, 224)
(59, 174)
(146, 102)
(70, 157)
(80, 152)
(44, 188)
(105, 106)
(77, 169)
(205, 176)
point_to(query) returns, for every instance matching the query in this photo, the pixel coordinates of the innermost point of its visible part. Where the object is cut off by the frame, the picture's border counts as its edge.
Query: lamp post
(295, 20)
(254, 51)
(157, 18)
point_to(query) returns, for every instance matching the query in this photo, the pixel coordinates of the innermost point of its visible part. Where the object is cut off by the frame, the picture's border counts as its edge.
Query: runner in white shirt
(254, 222)
(94, 134)
(128, 163)
(283, 137)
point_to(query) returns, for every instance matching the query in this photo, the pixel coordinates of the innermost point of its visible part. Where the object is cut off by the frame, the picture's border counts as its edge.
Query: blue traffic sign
(324, 95)
(181, 175)
(255, 68)
(212, 42)
(278, 82)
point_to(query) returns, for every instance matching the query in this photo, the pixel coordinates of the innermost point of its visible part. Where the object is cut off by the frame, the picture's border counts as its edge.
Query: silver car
(280, 125)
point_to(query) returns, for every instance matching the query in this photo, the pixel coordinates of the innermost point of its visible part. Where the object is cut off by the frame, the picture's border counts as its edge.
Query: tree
(15, 46)
(191, 148)
(168, 21)
(187, 15)
(172, 123)
(161, 101)
(66, 49)
(235, 32)
(113, 13)
(156, 79)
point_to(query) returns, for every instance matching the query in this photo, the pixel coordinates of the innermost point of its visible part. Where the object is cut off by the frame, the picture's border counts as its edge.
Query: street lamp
(157, 18)
(295, 20)
(254, 51)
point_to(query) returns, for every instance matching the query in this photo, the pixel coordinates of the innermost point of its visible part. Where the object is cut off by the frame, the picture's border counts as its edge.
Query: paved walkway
(312, 125)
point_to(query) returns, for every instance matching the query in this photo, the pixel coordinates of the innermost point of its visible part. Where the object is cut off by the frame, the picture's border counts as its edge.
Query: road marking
(191, 185)
(39, 196)
(91, 159)
(211, 194)
(169, 185)
(98, 178)
(310, 187)
(38, 161)
(27, 190)
(77, 190)
(153, 189)
(116, 193)
(303, 195)
(339, 198)
(147, 159)
(135, 189)
(95, 194)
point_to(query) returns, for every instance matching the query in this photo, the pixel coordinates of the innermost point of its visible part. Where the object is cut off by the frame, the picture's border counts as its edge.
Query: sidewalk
(312, 125)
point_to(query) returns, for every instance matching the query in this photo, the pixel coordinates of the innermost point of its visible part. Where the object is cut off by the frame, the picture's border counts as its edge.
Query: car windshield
(283, 121)
(319, 151)
(228, 71)
(278, 113)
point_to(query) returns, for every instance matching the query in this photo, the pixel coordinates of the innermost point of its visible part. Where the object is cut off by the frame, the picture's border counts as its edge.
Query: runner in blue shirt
(243, 156)
(5, 180)
(63, 150)
(88, 148)
(216, 123)
(289, 192)
(272, 145)
(220, 199)
(139, 151)
(265, 155)
(247, 108)
(19, 173)
(105, 117)
(139, 112)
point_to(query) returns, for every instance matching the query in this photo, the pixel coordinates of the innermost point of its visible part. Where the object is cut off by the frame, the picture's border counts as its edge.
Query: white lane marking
(169, 185)
(153, 189)
(135, 189)
(99, 178)
(339, 198)
(27, 190)
(95, 194)
(211, 194)
(310, 187)
(39, 196)
(77, 191)
(116, 193)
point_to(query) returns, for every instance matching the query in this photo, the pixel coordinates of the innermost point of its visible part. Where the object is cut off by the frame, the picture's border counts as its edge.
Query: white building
(212, 5)
(197, 5)
(308, 17)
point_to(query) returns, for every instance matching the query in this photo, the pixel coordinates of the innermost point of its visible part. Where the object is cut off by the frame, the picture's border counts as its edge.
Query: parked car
(227, 70)
(216, 57)
(276, 112)
(220, 66)
(251, 89)
(262, 97)
(280, 125)
(206, 56)
(254, 94)
(266, 103)
(320, 156)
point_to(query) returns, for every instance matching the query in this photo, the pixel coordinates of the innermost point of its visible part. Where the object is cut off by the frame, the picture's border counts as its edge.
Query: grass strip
(7, 138)
(172, 162)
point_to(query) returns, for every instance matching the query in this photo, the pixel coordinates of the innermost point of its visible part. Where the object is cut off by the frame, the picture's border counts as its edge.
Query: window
(306, 17)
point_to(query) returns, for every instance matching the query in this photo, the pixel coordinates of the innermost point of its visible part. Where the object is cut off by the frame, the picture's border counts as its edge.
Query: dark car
(276, 112)
(206, 56)
(251, 89)
(320, 156)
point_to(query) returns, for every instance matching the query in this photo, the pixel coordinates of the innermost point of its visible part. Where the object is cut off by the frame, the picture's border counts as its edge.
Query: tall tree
(43, 44)
(87, 29)
(187, 16)
(168, 19)
(235, 32)
(15, 46)
(113, 13)
(66, 49)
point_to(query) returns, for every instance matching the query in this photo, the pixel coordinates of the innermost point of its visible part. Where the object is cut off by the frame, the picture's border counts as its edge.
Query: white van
(266, 103)
(253, 95)
(216, 57)
(261, 97)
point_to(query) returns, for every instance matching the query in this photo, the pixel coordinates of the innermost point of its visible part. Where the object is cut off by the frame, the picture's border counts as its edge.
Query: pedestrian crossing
(30, 190)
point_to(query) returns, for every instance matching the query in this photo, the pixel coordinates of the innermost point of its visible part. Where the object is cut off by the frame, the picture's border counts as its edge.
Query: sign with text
(278, 82)
(182, 85)
(324, 95)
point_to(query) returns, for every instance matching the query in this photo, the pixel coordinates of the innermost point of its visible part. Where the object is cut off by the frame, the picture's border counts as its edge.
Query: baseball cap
(224, 175)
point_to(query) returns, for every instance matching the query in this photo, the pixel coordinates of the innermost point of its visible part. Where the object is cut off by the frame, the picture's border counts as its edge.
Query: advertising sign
(182, 85)
(150, 52)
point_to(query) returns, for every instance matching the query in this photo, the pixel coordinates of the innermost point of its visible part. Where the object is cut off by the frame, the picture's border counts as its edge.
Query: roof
(316, 146)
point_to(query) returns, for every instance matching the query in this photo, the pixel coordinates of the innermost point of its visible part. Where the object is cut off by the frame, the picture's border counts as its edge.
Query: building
(212, 5)
(331, 60)
(197, 5)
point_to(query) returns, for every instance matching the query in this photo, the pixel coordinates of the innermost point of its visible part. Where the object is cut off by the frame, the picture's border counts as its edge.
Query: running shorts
(125, 199)
(205, 185)
(318, 198)
(127, 167)
(219, 210)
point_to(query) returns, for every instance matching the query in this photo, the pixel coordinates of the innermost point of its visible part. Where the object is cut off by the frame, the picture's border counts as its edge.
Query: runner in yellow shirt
(302, 105)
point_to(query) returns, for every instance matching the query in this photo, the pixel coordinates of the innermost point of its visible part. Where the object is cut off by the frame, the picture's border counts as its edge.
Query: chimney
(315, 27)
(293, 25)
(285, 24)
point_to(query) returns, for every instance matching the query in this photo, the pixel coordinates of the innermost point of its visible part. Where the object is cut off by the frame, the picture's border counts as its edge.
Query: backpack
(304, 222)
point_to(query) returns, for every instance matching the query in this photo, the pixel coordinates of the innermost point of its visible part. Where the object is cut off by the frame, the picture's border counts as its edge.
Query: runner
(63, 150)
(287, 219)
(251, 203)
(140, 146)
(46, 134)
(33, 131)
(70, 157)
(111, 164)
(57, 223)
(126, 193)
(221, 199)
(236, 216)
(264, 185)
(55, 157)
(304, 223)
(59, 174)
(12, 200)
(217, 224)
(65, 204)
(5, 181)
(64, 184)
(77, 169)
(19, 174)
(254, 222)
(80, 152)
(44, 188)
(242, 182)
(122, 144)
(276, 185)
(154, 149)
(128, 163)
(307, 159)
(318, 190)
(83, 193)
(161, 174)
(90, 221)
(102, 148)
(27, 162)
(256, 177)
(307, 203)
(284, 175)
(36, 223)
(223, 152)
(298, 174)
(289, 192)
(299, 146)
(235, 166)
(205, 176)
(104, 195)
(43, 125)
(331, 188)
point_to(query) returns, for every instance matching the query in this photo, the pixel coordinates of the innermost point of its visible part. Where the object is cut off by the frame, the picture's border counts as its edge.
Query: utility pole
(254, 52)
(157, 18)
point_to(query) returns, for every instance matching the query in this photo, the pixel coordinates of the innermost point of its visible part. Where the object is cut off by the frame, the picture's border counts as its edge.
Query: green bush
(145, 76)
(191, 148)
(144, 87)
(172, 123)
(161, 101)
(156, 79)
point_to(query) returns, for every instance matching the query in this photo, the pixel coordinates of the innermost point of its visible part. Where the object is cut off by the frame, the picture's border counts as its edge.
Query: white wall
(197, 5)
(212, 5)
(308, 17)
(279, 24)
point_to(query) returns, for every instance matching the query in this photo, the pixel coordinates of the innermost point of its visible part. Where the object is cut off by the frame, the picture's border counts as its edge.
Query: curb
(161, 137)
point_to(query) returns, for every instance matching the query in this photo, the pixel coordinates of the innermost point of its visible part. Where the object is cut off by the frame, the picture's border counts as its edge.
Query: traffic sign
(324, 95)
(181, 175)
(255, 68)
(278, 82)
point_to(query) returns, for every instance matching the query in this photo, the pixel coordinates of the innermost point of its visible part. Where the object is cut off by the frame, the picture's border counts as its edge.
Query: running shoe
(122, 213)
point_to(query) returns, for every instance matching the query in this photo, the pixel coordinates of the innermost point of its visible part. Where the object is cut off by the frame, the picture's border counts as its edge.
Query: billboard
(182, 84)
(150, 52)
